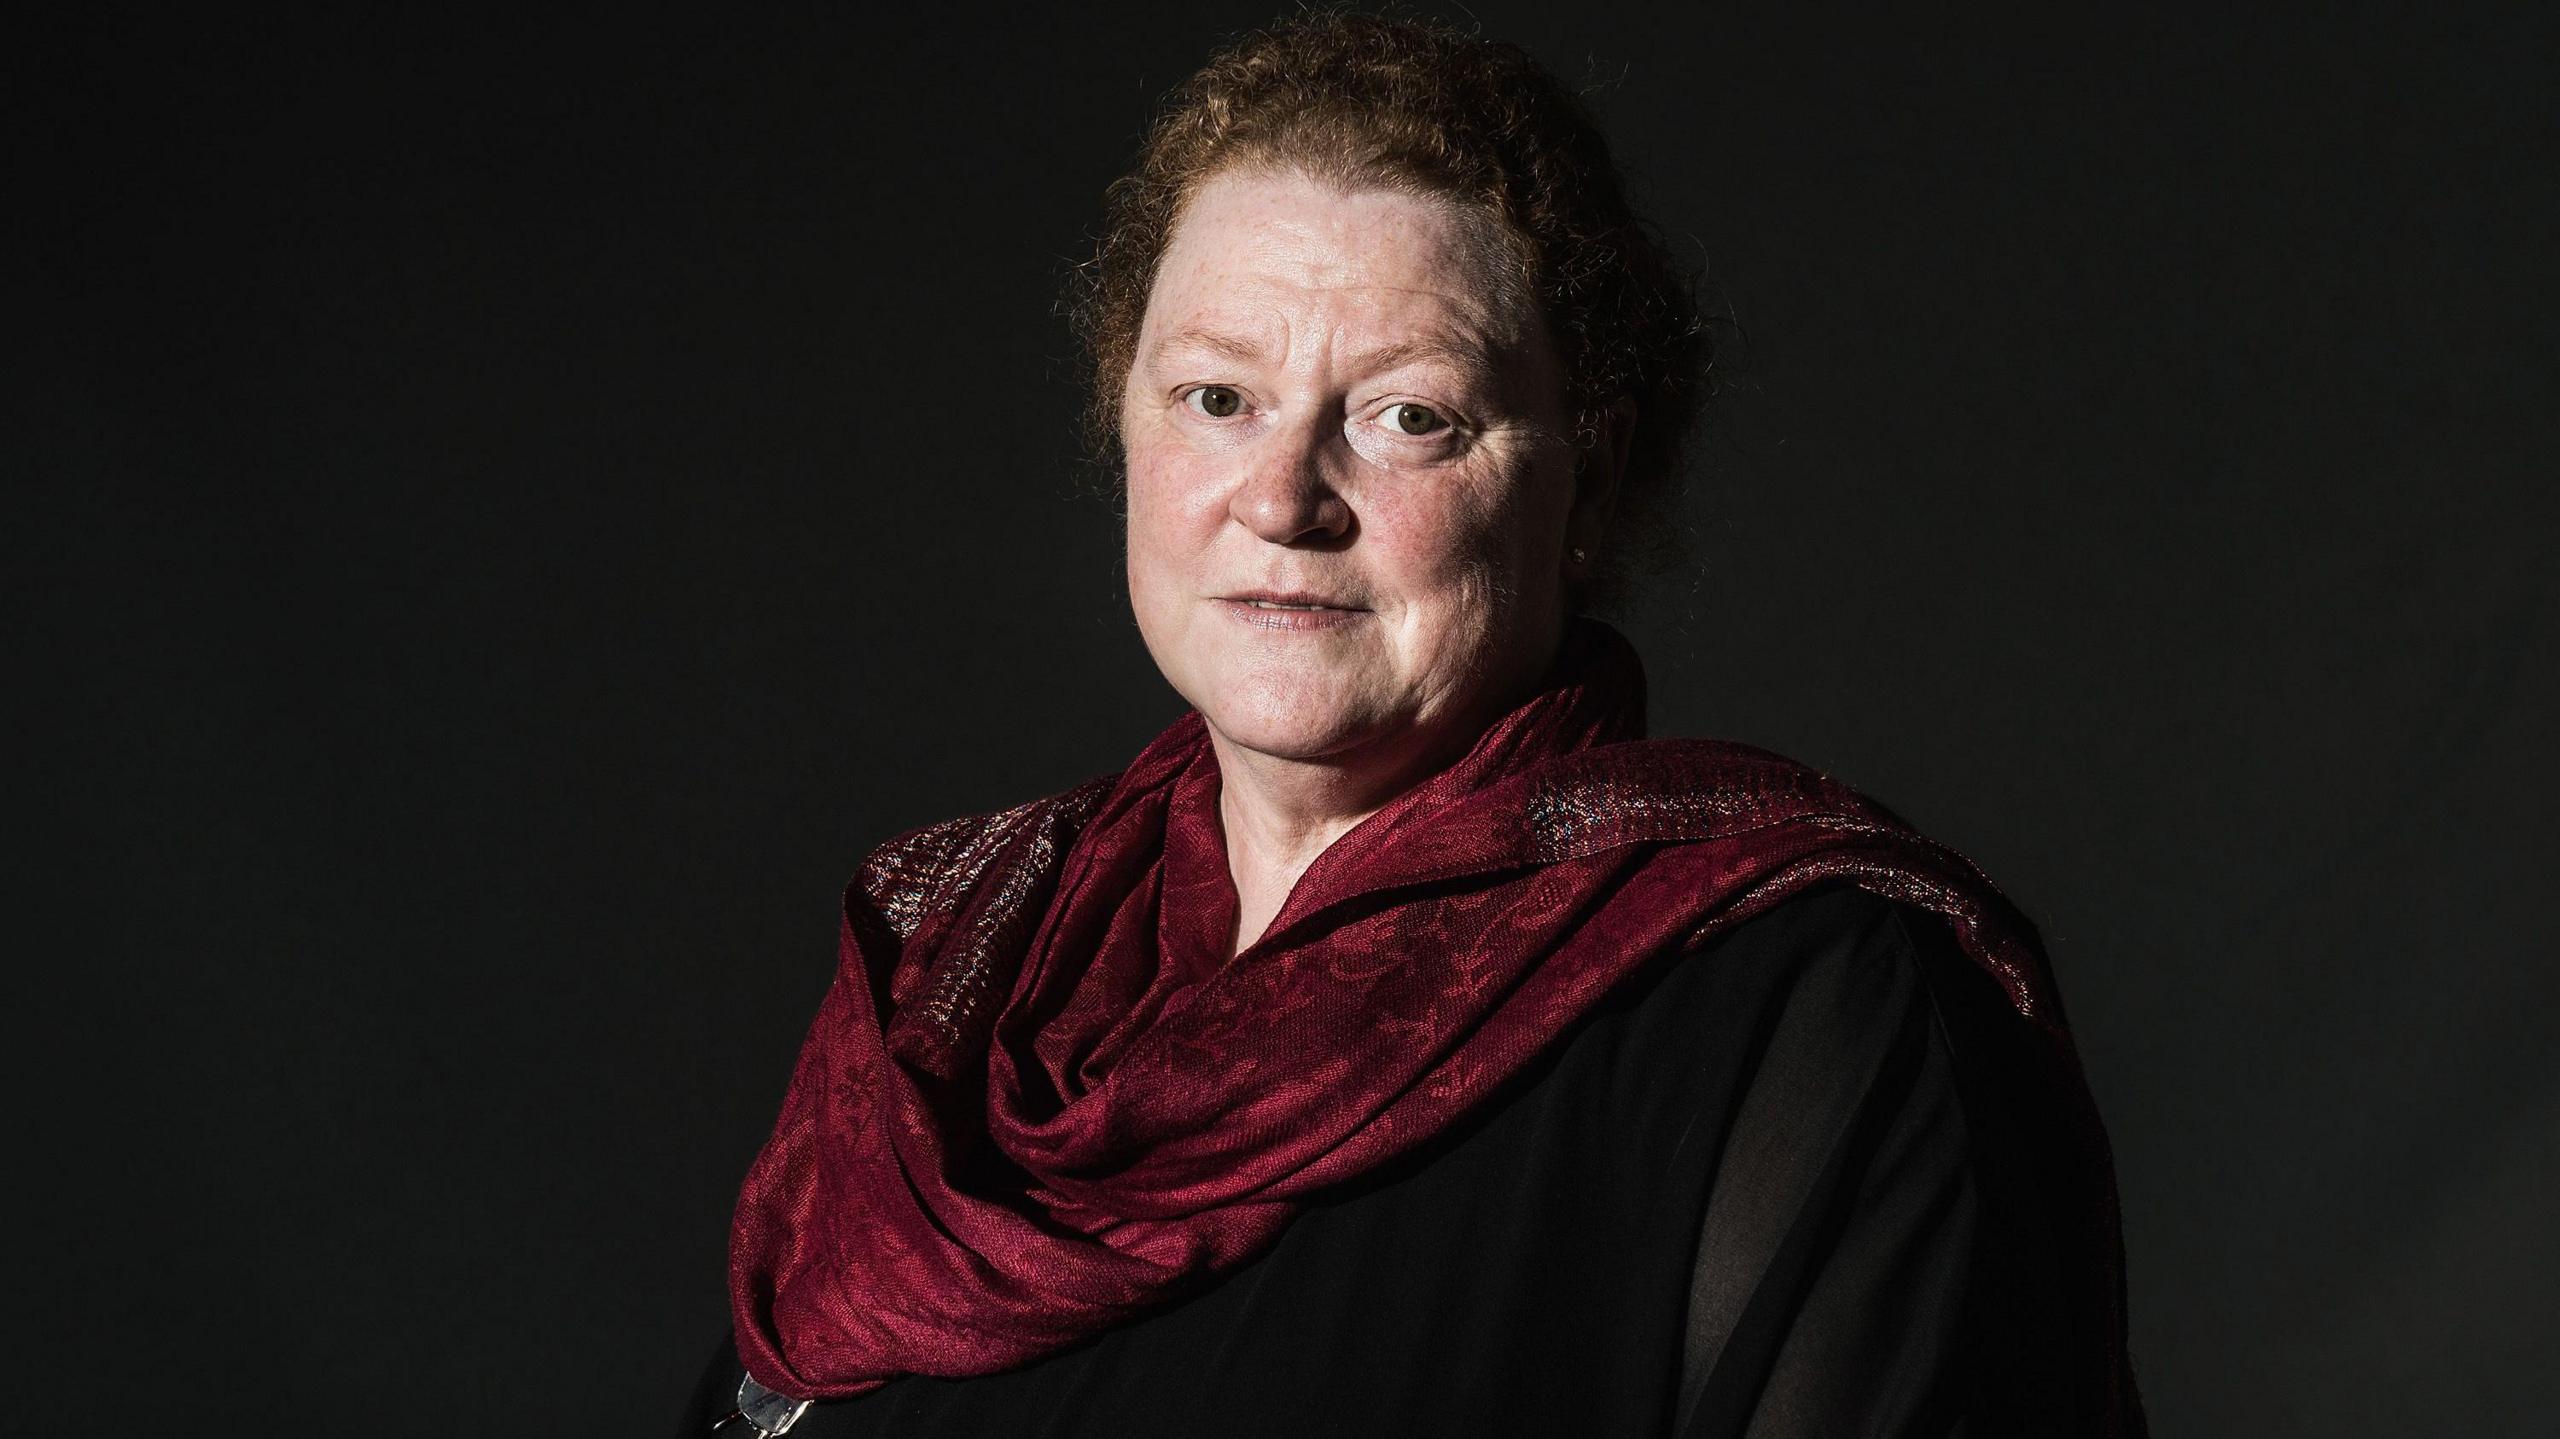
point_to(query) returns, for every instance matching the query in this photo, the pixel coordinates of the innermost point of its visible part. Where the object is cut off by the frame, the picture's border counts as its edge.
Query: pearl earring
(1577, 555)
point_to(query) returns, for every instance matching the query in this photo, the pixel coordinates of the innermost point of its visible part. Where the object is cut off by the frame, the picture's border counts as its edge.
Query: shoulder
(1862, 969)
(1863, 1015)
(1837, 984)
(1800, 1005)
(905, 876)
(1835, 935)
(1843, 1092)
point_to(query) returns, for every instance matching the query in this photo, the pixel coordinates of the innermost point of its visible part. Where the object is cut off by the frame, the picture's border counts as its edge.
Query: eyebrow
(1463, 355)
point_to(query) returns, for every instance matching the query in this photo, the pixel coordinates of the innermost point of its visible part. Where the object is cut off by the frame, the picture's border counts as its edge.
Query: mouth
(1289, 600)
(1291, 611)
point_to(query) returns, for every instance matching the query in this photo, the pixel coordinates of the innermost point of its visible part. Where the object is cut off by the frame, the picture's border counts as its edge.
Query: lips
(1290, 600)
(1275, 613)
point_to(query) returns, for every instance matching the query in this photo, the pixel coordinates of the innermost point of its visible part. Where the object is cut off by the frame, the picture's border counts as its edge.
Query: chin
(1287, 720)
(1293, 737)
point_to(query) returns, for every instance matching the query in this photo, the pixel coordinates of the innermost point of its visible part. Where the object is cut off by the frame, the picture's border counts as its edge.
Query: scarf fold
(1039, 1100)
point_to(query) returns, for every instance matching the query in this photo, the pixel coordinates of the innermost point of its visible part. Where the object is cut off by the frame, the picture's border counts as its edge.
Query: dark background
(505, 514)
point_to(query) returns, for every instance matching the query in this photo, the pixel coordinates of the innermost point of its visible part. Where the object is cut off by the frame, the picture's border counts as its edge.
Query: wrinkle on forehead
(1453, 347)
(1329, 254)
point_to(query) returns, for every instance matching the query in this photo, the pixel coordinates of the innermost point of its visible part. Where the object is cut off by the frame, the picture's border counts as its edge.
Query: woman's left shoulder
(1835, 934)
(1887, 1183)
(1836, 978)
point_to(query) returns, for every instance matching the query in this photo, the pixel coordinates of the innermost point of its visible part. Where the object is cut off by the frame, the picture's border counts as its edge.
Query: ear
(1596, 477)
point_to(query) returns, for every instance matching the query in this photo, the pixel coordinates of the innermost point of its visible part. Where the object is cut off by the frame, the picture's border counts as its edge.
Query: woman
(1402, 1044)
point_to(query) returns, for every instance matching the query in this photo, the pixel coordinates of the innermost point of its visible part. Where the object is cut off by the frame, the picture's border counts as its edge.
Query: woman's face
(1349, 488)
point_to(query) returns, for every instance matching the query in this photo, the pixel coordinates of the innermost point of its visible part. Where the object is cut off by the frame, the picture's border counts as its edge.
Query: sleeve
(1856, 1271)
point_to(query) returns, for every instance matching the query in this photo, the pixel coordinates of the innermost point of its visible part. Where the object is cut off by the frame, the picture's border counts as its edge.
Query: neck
(1280, 813)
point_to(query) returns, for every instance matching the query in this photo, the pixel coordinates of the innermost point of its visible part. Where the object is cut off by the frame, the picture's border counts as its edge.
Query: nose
(1284, 496)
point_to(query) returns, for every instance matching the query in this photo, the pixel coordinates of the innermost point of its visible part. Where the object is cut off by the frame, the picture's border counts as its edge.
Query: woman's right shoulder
(904, 876)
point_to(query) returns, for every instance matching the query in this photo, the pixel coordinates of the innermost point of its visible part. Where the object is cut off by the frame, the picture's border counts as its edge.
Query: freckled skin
(1270, 449)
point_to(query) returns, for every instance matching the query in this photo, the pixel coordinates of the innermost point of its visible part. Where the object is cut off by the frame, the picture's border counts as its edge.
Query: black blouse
(1779, 1185)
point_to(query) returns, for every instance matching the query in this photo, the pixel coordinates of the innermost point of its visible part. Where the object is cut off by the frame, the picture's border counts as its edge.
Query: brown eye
(1217, 401)
(1415, 419)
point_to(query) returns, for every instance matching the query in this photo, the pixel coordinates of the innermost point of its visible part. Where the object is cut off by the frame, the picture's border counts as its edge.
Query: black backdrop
(504, 514)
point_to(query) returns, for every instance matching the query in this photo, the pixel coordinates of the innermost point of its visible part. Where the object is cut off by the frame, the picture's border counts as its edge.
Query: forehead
(1250, 239)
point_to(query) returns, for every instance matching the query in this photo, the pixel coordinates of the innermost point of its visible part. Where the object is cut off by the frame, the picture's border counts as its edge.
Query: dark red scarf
(1040, 1101)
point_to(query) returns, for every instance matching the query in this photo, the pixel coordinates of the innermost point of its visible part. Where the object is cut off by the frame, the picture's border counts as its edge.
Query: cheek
(1163, 528)
(1456, 543)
